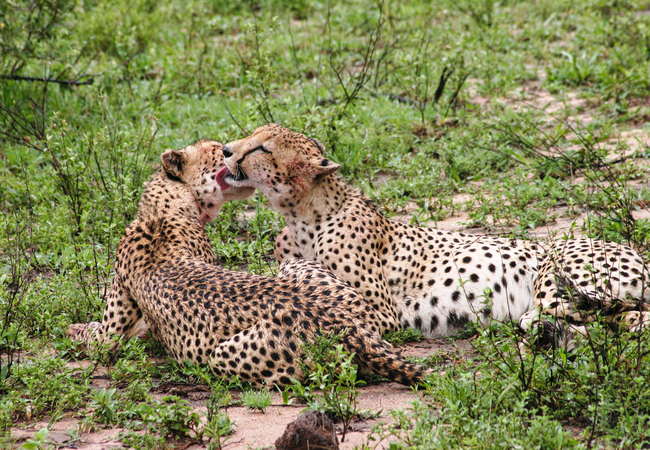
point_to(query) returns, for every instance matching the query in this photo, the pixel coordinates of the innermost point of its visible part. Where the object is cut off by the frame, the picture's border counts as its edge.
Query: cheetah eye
(260, 149)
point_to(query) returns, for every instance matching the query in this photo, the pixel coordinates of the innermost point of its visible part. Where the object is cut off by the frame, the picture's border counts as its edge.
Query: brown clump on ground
(312, 430)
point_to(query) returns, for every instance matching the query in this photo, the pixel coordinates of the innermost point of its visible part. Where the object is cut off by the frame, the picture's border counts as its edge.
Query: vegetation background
(513, 113)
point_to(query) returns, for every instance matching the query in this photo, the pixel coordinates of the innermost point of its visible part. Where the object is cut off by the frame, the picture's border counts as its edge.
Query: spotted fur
(432, 280)
(579, 278)
(241, 324)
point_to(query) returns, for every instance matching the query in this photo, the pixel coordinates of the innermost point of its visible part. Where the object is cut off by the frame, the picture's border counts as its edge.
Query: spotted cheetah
(241, 324)
(579, 278)
(433, 280)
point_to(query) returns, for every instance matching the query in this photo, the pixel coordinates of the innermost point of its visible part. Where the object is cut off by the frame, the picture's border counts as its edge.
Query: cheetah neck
(171, 220)
(326, 198)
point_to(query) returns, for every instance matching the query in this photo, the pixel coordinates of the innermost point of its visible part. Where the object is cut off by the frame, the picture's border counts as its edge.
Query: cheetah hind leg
(543, 331)
(547, 332)
(262, 355)
(634, 321)
(259, 355)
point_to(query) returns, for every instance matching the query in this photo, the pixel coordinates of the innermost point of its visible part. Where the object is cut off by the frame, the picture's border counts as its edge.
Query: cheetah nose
(226, 152)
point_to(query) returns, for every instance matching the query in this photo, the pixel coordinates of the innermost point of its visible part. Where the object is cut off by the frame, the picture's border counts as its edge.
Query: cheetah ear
(319, 144)
(325, 166)
(173, 162)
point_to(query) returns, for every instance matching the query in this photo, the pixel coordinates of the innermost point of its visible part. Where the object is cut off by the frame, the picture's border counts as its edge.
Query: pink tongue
(221, 178)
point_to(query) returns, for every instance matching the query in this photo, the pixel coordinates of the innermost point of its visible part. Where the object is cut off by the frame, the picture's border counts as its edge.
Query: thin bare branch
(82, 81)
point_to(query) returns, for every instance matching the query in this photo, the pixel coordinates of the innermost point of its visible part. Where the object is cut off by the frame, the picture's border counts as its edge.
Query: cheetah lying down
(241, 324)
(435, 281)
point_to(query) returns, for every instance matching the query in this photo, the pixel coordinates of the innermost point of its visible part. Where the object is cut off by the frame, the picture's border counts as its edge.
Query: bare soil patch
(253, 429)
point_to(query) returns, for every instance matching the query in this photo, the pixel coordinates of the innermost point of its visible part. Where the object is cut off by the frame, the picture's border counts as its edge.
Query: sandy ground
(256, 430)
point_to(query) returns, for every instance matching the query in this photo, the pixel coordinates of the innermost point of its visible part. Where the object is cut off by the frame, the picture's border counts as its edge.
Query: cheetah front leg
(546, 331)
(122, 317)
(634, 321)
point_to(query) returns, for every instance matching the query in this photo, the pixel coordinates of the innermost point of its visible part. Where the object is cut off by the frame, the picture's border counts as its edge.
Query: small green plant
(573, 69)
(106, 405)
(177, 417)
(39, 442)
(171, 417)
(218, 425)
(148, 441)
(197, 373)
(338, 384)
(47, 385)
(319, 351)
(404, 335)
(481, 12)
(217, 429)
(134, 364)
(188, 372)
(257, 400)
(138, 390)
(458, 423)
(593, 383)
(220, 397)
(6, 410)
(332, 372)
(286, 396)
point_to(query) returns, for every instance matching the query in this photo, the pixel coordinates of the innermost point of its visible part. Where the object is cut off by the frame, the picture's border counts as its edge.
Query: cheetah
(242, 325)
(579, 278)
(433, 280)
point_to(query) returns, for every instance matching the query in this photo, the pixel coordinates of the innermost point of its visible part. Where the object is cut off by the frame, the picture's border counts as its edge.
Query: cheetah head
(200, 167)
(279, 162)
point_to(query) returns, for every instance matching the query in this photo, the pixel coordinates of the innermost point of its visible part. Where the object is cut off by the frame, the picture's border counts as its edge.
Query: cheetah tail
(375, 356)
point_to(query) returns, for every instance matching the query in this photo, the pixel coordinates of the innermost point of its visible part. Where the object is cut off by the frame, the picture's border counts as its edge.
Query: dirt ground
(256, 430)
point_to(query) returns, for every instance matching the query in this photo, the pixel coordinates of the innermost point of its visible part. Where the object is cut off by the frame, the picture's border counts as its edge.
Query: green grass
(257, 400)
(419, 101)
